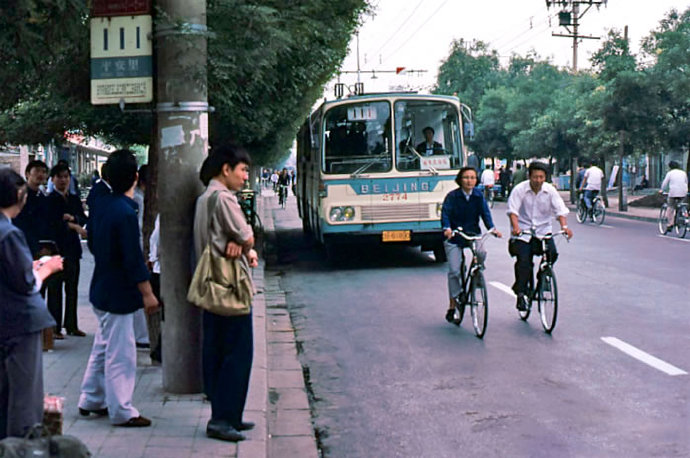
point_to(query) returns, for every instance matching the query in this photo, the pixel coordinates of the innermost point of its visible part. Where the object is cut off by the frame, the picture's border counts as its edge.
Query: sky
(417, 34)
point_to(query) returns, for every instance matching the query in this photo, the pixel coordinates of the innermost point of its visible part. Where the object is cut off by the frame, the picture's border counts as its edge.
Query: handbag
(48, 446)
(219, 285)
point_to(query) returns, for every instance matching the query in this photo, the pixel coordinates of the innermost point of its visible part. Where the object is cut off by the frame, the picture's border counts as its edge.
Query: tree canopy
(268, 61)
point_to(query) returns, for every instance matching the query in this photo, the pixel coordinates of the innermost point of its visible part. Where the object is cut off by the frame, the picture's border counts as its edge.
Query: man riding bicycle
(677, 182)
(591, 183)
(533, 204)
(462, 207)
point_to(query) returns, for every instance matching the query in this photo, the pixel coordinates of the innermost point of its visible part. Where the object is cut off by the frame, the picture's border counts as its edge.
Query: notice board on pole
(121, 59)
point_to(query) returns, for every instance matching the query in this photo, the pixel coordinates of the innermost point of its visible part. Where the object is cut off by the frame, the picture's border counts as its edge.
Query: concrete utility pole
(570, 16)
(182, 113)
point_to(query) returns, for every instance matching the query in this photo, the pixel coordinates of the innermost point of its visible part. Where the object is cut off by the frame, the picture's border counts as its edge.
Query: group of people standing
(120, 288)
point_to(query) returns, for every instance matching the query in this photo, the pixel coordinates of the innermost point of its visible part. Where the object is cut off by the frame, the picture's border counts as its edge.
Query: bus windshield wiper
(432, 170)
(359, 171)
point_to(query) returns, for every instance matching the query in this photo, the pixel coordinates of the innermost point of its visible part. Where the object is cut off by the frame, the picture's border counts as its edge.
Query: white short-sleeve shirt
(536, 209)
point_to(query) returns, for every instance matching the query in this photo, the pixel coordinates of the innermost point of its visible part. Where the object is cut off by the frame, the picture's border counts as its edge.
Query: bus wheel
(439, 253)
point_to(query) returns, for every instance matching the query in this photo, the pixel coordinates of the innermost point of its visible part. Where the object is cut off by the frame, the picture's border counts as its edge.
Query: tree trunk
(573, 177)
(604, 183)
(622, 198)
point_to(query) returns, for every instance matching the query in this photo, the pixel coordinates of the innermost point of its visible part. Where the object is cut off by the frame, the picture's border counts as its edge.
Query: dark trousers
(21, 384)
(69, 279)
(524, 253)
(228, 350)
(153, 320)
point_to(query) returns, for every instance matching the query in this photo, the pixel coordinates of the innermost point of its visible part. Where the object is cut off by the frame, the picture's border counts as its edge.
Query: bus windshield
(427, 135)
(358, 138)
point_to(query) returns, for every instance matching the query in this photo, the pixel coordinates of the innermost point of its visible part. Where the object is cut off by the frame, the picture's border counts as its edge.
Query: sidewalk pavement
(277, 400)
(649, 214)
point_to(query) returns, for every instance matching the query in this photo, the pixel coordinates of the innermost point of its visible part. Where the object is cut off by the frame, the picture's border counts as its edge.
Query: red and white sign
(101, 8)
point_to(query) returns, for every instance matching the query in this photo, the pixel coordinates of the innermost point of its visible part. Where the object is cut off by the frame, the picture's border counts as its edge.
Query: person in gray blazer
(23, 315)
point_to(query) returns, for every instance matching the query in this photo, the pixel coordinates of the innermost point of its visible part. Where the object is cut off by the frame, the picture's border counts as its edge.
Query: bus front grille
(402, 212)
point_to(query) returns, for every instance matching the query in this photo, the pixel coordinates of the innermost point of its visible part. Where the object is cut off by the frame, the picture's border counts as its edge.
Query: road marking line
(505, 288)
(673, 238)
(644, 357)
(606, 226)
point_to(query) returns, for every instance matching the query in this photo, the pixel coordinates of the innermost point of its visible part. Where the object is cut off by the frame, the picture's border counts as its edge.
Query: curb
(290, 432)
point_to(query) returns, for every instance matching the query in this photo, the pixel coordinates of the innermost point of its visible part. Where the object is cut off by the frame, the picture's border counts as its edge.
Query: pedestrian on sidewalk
(227, 348)
(119, 287)
(154, 319)
(66, 218)
(23, 315)
(31, 220)
(141, 333)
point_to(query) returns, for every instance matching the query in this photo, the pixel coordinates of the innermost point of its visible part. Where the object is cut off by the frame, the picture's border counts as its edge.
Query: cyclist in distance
(462, 207)
(283, 183)
(533, 203)
(677, 182)
(591, 183)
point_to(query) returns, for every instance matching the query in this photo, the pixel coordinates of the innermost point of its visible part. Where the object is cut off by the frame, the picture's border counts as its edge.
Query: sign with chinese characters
(361, 113)
(434, 162)
(121, 59)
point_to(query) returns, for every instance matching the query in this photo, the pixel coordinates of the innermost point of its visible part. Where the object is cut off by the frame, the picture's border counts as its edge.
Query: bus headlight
(438, 210)
(341, 214)
(336, 214)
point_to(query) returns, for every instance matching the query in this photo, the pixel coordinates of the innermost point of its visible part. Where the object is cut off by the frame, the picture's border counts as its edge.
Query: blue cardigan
(457, 211)
(22, 310)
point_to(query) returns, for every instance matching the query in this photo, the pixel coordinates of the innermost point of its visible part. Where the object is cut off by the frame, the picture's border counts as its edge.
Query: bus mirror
(469, 130)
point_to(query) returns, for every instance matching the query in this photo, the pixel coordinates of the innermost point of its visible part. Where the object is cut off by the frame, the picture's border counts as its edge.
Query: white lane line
(505, 288)
(646, 358)
(668, 237)
(606, 226)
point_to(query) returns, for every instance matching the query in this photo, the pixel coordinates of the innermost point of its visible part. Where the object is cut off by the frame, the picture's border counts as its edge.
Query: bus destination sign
(105, 8)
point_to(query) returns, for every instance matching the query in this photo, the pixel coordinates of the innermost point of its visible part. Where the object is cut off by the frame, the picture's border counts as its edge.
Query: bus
(376, 168)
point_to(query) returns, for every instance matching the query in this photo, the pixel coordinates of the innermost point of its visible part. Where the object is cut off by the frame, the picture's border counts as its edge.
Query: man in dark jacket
(66, 218)
(119, 287)
(32, 219)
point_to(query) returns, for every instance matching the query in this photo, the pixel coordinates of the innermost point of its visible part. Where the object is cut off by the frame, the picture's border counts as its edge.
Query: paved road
(390, 377)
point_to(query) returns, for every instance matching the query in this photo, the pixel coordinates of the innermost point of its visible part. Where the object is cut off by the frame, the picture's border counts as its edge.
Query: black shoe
(224, 433)
(98, 412)
(450, 315)
(668, 228)
(136, 422)
(521, 304)
(245, 426)
(76, 332)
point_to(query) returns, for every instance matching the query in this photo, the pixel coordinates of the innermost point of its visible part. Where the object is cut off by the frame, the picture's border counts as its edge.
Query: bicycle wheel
(598, 211)
(547, 299)
(479, 304)
(681, 222)
(581, 214)
(662, 221)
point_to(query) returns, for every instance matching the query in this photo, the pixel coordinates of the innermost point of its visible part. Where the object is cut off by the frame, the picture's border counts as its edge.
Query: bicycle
(546, 291)
(474, 291)
(681, 219)
(598, 212)
(282, 195)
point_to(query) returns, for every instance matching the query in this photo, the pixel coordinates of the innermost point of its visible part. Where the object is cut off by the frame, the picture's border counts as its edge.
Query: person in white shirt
(677, 182)
(488, 179)
(591, 183)
(533, 204)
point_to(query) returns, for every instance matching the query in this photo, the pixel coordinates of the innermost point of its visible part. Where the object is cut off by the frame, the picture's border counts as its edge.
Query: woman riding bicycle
(462, 207)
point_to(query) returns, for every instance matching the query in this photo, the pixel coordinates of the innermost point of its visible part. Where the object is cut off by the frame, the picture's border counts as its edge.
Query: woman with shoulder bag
(223, 237)
(23, 315)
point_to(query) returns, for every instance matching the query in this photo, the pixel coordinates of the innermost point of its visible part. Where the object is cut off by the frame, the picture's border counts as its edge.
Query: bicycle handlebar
(459, 231)
(532, 233)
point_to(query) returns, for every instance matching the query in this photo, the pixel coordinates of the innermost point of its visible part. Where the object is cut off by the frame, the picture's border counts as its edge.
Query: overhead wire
(416, 30)
(402, 24)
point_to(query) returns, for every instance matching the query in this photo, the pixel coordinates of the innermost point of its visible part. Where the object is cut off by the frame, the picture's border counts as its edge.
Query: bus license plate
(396, 236)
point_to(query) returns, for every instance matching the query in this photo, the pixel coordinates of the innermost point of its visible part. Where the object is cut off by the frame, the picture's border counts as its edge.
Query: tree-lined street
(389, 377)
